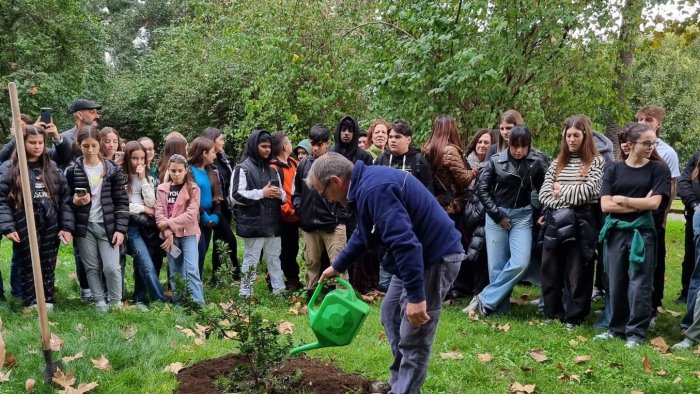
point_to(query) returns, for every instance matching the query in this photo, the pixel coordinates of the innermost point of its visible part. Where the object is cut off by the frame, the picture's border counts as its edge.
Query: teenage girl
(177, 214)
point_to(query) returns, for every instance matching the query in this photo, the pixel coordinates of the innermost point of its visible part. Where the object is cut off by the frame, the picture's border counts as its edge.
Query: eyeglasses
(647, 144)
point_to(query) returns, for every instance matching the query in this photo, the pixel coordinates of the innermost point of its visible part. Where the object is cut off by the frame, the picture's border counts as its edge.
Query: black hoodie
(351, 150)
(257, 217)
(412, 162)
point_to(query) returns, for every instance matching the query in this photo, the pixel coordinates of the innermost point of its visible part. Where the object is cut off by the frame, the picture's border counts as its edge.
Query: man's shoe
(685, 344)
(379, 387)
(633, 343)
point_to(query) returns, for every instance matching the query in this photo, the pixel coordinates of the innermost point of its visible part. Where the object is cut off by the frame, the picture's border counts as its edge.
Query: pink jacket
(185, 217)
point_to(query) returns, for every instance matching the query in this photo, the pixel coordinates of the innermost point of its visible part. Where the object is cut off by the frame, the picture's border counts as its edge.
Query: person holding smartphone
(257, 192)
(101, 208)
(52, 212)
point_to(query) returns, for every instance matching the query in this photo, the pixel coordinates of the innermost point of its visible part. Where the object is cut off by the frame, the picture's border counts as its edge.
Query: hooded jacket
(257, 216)
(412, 162)
(315, 213)
(287, 171)
(351, 150)
(305, 145)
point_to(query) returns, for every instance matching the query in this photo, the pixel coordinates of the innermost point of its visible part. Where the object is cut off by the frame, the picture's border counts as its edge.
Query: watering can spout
(308, 346)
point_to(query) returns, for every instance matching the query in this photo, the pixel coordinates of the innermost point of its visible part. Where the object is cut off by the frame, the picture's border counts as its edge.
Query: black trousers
(630, 289)
(290, 250)
(566, 267)
(223, 232)
(660, 267)
(689, 255)
(48, 250)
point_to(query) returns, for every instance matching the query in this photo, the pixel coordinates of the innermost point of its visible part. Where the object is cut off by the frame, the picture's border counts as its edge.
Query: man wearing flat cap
(85, 114)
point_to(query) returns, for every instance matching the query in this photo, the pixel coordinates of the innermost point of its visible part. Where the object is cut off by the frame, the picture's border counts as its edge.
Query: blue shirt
(395, 210)
(206, 198)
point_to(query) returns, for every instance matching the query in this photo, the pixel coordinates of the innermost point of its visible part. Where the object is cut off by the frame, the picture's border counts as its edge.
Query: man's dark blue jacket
(394, 209)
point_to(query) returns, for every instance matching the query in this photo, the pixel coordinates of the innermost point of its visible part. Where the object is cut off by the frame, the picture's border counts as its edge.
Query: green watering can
(337, 320)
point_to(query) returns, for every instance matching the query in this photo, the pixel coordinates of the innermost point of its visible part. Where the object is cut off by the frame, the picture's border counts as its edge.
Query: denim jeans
(145, 275)
(695, 278)
(187, 266)
(508, 254)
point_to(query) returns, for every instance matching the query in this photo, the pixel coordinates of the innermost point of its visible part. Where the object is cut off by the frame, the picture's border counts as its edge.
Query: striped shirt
(576, 189)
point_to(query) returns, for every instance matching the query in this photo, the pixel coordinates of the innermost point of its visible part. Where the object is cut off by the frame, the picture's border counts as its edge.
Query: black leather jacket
(500, 185)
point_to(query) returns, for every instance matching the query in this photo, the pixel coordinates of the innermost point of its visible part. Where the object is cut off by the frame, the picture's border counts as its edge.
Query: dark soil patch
(317, 376)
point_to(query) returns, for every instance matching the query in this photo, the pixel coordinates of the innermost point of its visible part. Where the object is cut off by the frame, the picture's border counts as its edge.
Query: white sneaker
(633, 343)
(49, 307)
(607, 335)
(685, 344)
(101, 306)
(473, 305)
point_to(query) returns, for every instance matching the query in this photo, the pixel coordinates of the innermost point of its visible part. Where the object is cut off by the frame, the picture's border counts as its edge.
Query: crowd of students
(594, 225)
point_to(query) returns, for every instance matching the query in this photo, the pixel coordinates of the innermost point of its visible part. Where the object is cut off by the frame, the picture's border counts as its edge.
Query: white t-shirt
(670, 157)
(94, 175)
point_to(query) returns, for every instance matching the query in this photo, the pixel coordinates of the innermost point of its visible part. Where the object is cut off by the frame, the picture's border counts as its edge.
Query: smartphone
(175, 251)
(80, 191)
(46, 115)
(275, 182)
(118, 155)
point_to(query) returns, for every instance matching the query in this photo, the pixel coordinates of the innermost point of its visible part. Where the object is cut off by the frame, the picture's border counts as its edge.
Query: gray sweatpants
(98, 257)
(411, 345)
(630, 289)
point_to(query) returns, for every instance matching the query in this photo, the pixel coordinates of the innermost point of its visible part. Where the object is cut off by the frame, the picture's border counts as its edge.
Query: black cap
(81, 104)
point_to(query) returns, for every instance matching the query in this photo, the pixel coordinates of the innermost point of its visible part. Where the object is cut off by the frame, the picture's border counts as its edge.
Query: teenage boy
(363, 141)
(255, 188)
(320, 229)
(286, 167)
(402, 156)
(347, 136)
(653, 115)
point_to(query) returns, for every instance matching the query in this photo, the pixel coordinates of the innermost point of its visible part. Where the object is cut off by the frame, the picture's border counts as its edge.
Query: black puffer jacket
(60, 211)
(256, 218)
(500, 184)
(412, 162)
(689, 190)
(114, 199)
(224, 171)
(315, 213)
(474, 221)
(580, 224)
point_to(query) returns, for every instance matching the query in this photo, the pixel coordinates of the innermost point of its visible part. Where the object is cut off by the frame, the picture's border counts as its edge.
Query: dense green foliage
(161, 66)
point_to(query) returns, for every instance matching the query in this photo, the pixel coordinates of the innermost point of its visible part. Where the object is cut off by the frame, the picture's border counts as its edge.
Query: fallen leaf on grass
(673, 313)
(451, 355)
(10, 361)
(5, 376)
(201, 330)
(63, 379)
(381, 335)
(526, 369)
(517, 388)
(69, 359)
(72, 276)
(697, 351)
(187, 331)
(82, 388)
(473, 316)
(582, 359)
(230, 334)
(199, 341)
(677, 380)
(538, 355)
(637, 392)
(560, 367)
(659, 344)
(588, 372)
(101, 363)
(286, 328)
(485, 357)
(647, 364)
(504, 327)
(697, 374)
(173, 368)
(615, 365)
(56, 343)
(29, 385)
(569, 376)
(224, 323)
(129, 332)
(522, 300)
(661, 373)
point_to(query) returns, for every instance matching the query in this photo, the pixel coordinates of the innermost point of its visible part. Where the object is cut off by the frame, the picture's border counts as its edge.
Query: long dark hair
(131, 147)
(444, 133)
(86, 132)
(48, 173)
(513, 117)
(175, 145)
(471, 147)
(180, 159)
(588, 149)
(195, 157)
(633, 132)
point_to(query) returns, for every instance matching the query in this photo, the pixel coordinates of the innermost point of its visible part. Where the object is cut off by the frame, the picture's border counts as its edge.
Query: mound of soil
(317, 376)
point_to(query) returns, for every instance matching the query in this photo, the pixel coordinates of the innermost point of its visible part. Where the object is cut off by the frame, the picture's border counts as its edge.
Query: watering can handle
(319, 286)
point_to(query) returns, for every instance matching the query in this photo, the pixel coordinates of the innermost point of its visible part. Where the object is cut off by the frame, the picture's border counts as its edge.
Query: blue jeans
(695, 278)
(508, 254)
(187, 266)
(145, 275)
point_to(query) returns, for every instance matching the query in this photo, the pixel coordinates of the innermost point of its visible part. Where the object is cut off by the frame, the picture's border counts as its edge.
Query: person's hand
(118, 160)
(141, 171)
(270, 191)
(117, 239)
(49, 128)
(13, 236)
(167, 244)
(80, 201)
(328, 273)
(505, 223)
(67, 236)
(149, 211)
(162, 226)
(540, 221)
(417, 313)
(556, 189)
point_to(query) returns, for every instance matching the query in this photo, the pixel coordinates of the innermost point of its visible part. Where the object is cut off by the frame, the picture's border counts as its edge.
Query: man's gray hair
(328, 165)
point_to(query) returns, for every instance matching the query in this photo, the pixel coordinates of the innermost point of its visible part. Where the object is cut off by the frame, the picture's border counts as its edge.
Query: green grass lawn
(137, 363)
